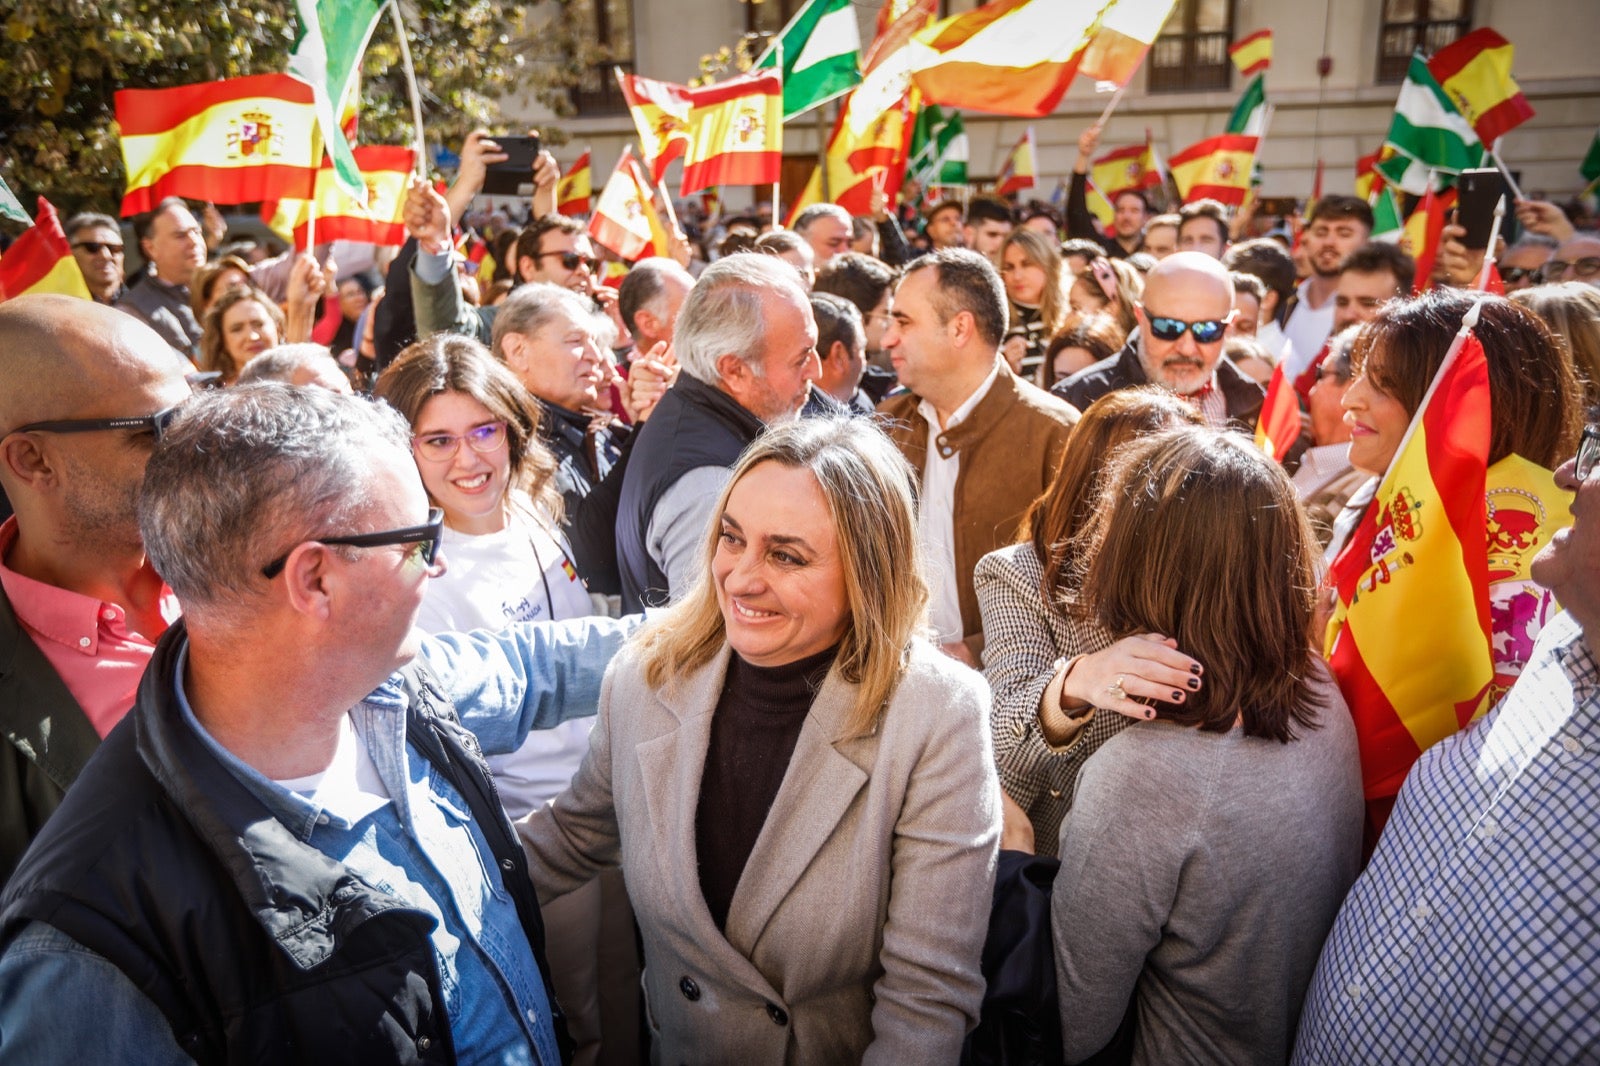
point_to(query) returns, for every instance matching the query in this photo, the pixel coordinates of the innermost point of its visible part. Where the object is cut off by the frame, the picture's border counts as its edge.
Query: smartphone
(1479, 191)
(508, 177)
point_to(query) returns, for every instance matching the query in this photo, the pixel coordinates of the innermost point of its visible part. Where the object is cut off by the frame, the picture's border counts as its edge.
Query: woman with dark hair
(1209, 846)
(1536, 416)
(1025, 592)
(796, 783)
(1082, 341)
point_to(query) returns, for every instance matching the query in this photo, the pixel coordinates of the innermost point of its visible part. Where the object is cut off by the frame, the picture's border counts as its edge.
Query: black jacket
(694, 425)
(256, 947)
(1241, 396)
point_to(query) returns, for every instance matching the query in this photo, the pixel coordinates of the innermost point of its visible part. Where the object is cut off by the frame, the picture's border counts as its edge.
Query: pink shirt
(86, 640)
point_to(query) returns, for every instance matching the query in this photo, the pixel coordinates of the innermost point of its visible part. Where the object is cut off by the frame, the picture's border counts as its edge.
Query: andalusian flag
(41, 260)
(385, 175)
(1409, 641)
(660, 111)
(243, 140)
(1427, 134)
(1475, 73)
(1217, 167)
(939, 148)
(821, 50)
(11, 207)
(736, 133)
(1133, 167)
(575, 187)
(1250, 113)
(625, 218)
(1021, 167)
(327, 54)
(1278, 425)
(1252, 54)
(1387, 221)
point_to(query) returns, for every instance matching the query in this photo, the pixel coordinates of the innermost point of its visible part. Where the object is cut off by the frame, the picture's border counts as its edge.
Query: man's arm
(435, 295)
(530, 675)
(1080, 223)
(62, 1003)
(677, 533)
(893, 248)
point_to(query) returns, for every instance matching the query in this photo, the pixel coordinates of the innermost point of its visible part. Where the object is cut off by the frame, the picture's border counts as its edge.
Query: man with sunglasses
(96, 242)
(292, 850)
(1183, 319)
(1470, 937)
(84, 391)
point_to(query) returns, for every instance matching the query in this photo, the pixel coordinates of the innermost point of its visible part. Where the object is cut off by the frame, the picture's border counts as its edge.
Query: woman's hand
(1145, 665)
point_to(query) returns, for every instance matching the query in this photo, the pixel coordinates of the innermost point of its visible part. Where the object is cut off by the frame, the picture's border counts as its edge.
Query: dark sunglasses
(425, 536)
(1206, 331)
(571, 260)
(96, 247)
(1588, 452)
(155, 424)
(1516, 274)
(1587, 267)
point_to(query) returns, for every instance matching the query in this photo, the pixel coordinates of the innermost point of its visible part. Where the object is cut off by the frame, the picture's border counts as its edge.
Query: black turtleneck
(753, 733)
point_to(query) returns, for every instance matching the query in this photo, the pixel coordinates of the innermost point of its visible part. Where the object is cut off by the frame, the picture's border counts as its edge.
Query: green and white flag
(939, 149)
(1387, 222)
(1428, 133)
(821, 50)
(1250, 113)
(327, 53)
(11, 207)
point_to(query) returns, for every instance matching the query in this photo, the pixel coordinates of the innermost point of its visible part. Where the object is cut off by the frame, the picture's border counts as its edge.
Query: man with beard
(1183, 317)
(84, 393)
(1339, 225)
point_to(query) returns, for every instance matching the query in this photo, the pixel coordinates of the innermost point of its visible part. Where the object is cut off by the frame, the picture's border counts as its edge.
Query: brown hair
(1098, 334)
(1037, 248)
(447, 362)
(213, 344)
(1063, 512)
(1129, 288)
(1572, 311)
(1198, 536)
(206, 278)
(1534, 409)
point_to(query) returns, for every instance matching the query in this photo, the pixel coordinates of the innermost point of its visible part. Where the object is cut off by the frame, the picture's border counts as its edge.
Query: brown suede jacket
(1010, 447)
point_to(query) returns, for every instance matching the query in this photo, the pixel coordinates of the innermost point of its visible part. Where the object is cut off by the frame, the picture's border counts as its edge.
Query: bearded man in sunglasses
(1183, 317)
(291, 850)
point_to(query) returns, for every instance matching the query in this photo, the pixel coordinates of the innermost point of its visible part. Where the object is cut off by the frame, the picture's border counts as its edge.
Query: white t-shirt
(522, 573)
(1308, 327)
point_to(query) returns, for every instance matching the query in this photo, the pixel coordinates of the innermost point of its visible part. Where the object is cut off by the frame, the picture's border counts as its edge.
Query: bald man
(1187, 305)
(83, 393)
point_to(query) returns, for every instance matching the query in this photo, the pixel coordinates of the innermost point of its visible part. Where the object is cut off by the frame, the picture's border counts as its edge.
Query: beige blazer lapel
(818, 788)
(671, 767)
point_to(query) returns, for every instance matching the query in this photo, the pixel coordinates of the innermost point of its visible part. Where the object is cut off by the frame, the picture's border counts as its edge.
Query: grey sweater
(1201, 872)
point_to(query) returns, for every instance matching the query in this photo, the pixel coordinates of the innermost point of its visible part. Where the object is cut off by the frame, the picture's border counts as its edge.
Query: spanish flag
(1118, 42)
(1008, 57)
(1252, 54)
(736, 133)
(625, 218)
(1409, 641)
(660, 111)
(860, 165)
(1217, 167)
(385, 171)
(1422, 233)
(41, 260)
(1369, 182)
(1099, 206)
(229, 142)
(1133, 167)
(1020, 168)
(575, 187)
(1278, 426)
(1475, 73)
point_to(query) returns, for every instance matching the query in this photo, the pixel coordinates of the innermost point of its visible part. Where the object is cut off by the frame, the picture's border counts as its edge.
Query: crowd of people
(407, 659)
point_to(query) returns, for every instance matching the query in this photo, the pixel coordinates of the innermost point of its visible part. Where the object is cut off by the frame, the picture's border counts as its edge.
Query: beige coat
(856, 931)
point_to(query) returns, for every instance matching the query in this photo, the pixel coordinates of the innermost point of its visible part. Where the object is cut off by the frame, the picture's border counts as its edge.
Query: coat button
(424, 1043)
(690, 990)
(778, 1015)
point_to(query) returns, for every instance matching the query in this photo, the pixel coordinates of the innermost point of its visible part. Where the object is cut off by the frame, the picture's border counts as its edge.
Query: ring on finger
(1115, 689)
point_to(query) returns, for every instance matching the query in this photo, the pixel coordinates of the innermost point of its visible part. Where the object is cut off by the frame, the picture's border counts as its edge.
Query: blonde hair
(1053, 306)
(869, 488)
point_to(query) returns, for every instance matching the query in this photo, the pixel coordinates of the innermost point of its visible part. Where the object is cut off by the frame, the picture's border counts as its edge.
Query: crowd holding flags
(41, 259)
(625, 219)
(1020, 168)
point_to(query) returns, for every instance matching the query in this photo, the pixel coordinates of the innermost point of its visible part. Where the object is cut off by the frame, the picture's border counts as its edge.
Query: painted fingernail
(1177, 697)
(1194, 668)
(1193, 682)
(1149, 714)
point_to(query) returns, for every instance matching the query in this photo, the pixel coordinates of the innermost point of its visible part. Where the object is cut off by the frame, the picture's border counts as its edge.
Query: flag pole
(1111, 105)
(1494, 238)
(311, 226)
(778, 45)
(1494, 153)
(411, 87)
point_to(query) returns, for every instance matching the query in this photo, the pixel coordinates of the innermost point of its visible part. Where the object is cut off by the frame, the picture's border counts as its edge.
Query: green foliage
(61, 61)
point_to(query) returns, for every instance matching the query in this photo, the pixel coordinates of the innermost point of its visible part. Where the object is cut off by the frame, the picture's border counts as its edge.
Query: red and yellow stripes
(625, 219)
(234, 141)
(1127, 168)
(386, 170)
(41, 260)
(1409, 641)
(1475, 73)
(660, 111)
(1278, 426)
(575, 187)
(736, 133)
(1217, 167)
(1252, 54)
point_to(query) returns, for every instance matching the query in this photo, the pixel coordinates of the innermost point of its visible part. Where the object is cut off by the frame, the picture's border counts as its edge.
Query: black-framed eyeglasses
(1588, 452)
(572, 260)
(1206, 331)
(1586, 267)
(96, 247)
(155, 424)
(425, 536)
